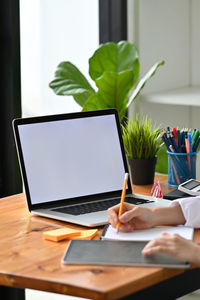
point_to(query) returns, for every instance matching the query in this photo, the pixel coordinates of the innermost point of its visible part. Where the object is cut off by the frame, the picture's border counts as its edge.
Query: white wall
(195, 42)
(163, 34)
(167, 30)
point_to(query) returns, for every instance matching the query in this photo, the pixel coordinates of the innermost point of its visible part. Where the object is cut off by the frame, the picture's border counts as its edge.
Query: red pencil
(175, 134)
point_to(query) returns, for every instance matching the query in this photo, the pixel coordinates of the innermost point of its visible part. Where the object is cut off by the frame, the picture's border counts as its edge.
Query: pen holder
(181, 167)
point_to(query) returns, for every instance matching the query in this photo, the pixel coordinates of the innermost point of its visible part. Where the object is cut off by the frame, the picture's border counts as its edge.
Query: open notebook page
(111, 233)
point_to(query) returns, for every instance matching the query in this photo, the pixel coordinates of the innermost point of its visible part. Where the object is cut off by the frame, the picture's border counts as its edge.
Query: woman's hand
(175, 246)
(133, 217)
(138, 217)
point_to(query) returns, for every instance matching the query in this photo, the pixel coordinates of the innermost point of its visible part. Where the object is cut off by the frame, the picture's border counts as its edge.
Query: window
(53, 31)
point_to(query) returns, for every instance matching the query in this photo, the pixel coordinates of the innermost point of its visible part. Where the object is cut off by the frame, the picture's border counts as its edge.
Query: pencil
(122, 199)
(188, 150)
(174, 167)
(175, 134)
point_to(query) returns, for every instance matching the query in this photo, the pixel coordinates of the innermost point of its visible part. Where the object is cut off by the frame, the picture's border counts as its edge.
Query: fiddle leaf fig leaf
(70, 81)
(112, 57)
(95, 102)
(115, 68)
(113, 92)
(114, 89)
(81, 99)
(143, 81)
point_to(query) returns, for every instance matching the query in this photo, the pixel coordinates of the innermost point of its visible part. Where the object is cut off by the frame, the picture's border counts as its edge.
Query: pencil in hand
(122, 199)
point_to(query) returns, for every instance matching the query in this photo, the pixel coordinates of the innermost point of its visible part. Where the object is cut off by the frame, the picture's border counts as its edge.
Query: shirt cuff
(190, 207)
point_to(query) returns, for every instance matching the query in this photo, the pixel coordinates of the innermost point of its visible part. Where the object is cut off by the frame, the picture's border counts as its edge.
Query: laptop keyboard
(97, 206)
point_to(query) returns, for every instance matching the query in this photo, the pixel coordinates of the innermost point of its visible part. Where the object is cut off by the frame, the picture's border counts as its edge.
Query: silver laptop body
(70, 162)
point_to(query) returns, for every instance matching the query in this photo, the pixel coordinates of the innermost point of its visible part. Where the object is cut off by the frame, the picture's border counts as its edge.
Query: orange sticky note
(60, 234)
(85, 235)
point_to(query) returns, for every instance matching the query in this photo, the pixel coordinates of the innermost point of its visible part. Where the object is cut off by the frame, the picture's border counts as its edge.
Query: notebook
(73, 166)
(116, 253)
(110, 233)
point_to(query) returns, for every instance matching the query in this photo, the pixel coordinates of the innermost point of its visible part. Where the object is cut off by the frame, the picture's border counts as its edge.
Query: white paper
(147, 234)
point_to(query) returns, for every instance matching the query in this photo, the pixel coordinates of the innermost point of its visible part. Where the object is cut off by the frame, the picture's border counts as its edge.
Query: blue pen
(182, 138)
(165, 140)
(179, 140)
(189, 141)
(169, 139)
(173, 142)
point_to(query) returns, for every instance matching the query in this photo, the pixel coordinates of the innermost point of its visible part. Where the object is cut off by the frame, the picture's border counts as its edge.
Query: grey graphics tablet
(116, 253)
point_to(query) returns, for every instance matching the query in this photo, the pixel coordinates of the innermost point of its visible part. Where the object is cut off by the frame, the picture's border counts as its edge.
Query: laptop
(73, 166)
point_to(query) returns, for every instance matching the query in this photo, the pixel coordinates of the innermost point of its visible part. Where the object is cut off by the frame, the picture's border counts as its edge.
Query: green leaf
(115, 69)
(70, 81)
(114, 89)
(112, 57)
(81, 98)
(95, 102)
(143, 81)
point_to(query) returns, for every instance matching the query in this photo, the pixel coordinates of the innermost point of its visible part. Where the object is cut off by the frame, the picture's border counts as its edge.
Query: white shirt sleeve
(191, 210)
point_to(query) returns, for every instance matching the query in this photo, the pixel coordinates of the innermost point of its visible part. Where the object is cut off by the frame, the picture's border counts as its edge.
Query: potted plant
(114, 68)
(142, 142)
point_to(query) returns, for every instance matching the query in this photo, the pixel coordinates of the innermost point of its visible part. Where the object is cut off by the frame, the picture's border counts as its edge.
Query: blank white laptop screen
(71, 158)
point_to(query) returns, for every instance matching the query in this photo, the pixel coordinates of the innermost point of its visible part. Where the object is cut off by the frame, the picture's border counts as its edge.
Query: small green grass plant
(141, 139)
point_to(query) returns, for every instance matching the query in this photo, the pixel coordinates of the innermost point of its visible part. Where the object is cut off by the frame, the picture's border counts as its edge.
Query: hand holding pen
(122, 199)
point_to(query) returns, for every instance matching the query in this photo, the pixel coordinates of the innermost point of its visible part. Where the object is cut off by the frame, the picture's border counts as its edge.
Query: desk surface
(29, 261)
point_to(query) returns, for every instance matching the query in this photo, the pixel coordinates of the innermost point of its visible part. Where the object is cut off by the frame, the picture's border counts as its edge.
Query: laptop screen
(72, 157)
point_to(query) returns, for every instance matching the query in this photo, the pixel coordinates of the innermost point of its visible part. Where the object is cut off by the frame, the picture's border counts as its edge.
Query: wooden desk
(28, 261)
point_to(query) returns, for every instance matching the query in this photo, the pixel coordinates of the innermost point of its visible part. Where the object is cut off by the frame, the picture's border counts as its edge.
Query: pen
(175, 134)
(165, 139)
(187, 149)
(122, 199)
(189, 141)
(179, 139)
(196, 145)
(173, 141)
(187, 144)
(182, 138)
(193, 132)
(195, 137)
(174, 167)
(175, 172)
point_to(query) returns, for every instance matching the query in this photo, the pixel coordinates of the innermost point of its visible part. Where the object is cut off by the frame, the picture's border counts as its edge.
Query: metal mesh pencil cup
(181, 167)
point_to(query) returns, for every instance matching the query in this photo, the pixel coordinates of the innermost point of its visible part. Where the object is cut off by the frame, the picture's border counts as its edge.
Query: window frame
(112, 20)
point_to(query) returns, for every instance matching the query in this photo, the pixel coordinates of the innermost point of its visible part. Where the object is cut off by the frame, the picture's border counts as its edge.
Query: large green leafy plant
(115, 69)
